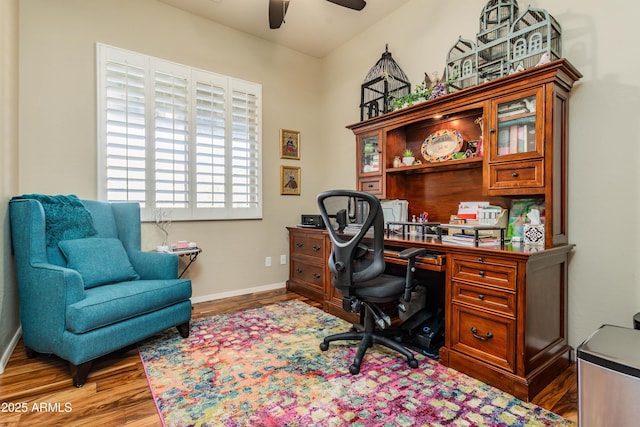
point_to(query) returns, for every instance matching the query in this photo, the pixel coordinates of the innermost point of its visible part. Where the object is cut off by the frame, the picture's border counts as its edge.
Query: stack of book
(470, 240)
(183, 246)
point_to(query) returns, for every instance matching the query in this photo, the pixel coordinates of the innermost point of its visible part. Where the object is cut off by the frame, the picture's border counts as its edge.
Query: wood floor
(38, 391)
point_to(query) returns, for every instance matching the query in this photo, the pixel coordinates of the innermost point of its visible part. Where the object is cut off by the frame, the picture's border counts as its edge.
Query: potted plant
(408, 157)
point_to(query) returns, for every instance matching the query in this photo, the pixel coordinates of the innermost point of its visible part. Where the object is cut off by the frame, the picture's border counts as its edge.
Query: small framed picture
(289, 144)
(290, 180)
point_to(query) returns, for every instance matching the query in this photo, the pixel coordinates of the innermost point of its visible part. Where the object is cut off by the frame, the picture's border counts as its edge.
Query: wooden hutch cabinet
(370, 149)
(505, 306)
(520, 121)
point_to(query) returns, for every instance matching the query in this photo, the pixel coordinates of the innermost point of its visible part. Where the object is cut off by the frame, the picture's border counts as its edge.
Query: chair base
(183, 330)
(368, 337)
(79, 373)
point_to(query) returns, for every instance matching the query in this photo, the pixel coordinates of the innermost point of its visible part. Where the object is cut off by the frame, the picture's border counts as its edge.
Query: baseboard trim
(245, 291)
(9, 350)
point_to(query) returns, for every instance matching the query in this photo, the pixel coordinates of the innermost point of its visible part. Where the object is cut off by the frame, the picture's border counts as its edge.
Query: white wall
(57, 124)
(58, 120)
(8, 174)
(600, 39)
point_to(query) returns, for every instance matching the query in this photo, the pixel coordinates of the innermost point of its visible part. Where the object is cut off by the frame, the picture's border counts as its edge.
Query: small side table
(192, 253)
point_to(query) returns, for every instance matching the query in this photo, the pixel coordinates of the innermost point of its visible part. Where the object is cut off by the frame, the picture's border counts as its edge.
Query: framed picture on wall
(290, 180)
(289, 144)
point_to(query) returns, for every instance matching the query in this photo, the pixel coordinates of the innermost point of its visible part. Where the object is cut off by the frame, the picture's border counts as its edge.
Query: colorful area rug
(263, 367)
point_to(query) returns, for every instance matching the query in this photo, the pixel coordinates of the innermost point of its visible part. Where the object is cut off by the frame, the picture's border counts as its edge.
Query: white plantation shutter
(124, 130)
(245, 150)
(210, 146)
(171, 132)
(177, 138)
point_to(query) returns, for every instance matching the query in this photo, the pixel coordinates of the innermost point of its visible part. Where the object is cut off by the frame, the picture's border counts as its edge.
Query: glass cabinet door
(516, 126)
(370, 156)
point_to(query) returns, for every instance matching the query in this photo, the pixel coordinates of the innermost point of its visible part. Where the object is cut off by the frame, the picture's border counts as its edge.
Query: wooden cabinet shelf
(473, 162)
(515, 118)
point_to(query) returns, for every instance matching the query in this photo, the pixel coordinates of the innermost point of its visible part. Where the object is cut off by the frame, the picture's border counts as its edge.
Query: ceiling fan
(278, 8)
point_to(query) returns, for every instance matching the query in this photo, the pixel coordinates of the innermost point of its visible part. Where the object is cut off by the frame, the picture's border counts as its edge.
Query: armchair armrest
(60, 284)
(410, 255)
(44, 296)
(154, 265)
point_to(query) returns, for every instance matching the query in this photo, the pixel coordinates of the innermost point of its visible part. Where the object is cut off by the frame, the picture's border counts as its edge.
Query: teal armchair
(85, 287)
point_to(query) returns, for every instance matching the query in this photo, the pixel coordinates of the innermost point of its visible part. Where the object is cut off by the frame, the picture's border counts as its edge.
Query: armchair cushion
(99, 261)
(114, 303)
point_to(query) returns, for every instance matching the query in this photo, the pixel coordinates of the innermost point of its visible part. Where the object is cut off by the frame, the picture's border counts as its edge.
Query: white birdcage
(505, 43)
(462, 63)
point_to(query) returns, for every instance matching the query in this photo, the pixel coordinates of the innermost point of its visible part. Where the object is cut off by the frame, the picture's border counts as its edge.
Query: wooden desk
(505, 307)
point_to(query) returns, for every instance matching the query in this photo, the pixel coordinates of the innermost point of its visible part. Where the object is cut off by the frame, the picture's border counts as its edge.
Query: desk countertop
(431, 242)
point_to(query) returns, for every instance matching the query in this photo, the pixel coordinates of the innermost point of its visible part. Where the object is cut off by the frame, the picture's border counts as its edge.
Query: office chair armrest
(410, 255)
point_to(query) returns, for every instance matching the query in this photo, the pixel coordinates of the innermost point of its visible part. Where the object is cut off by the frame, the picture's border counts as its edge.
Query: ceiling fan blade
(351, 4)
(277, 10)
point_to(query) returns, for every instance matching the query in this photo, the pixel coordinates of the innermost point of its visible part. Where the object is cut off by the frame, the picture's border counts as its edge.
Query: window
(176, 138)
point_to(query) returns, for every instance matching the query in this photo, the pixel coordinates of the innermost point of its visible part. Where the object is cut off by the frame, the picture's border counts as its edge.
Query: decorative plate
(441, 145)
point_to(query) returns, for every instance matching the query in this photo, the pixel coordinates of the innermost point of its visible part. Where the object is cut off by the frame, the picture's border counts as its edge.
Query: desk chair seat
(357, 264)
(384, 288)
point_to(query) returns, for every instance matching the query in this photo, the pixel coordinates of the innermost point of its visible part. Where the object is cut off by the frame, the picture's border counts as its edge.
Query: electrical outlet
(267, 261)
(283, 259)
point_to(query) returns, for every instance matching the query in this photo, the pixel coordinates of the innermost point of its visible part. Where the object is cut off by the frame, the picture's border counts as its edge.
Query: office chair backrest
(351, 261)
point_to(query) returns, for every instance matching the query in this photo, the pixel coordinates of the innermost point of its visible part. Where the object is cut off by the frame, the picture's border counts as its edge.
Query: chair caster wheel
(324, 346)
(355, 370)
(413, 363)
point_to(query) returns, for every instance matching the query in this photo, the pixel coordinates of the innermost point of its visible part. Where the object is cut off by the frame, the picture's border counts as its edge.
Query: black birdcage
(385, 81)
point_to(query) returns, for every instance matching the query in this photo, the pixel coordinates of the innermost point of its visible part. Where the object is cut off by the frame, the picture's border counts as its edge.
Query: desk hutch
(505, 306)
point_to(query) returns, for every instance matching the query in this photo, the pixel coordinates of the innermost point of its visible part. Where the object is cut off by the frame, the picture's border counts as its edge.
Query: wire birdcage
(384, 82)
(506, 43)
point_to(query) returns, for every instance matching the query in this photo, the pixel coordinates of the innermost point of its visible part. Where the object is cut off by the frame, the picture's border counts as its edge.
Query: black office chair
(358, 269)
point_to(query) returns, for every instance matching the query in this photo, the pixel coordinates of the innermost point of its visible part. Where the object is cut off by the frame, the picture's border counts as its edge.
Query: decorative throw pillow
(99, 261)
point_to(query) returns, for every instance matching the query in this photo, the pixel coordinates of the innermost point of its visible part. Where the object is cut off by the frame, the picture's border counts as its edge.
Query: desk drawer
(485, 298)
(308, 244)
(516, 174)
(433, 262)
(312, 275)
(371, 185)
(485, 270)
(484, 335)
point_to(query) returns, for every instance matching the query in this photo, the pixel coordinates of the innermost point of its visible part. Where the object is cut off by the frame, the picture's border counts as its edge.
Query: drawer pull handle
(299, 270)
(487, 337)
(480, 259)
(299, 244)
(316, 276)
(481, 297)
(370, 185)
(514, 174)
(316, 248)
(481, 273)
